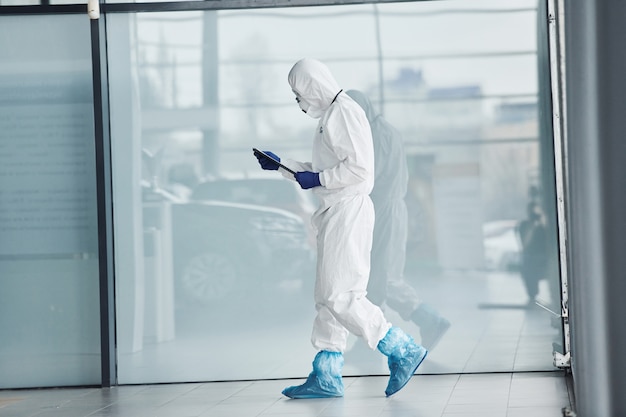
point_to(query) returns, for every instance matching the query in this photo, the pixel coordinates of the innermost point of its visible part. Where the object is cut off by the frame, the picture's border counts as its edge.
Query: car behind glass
(223, 251)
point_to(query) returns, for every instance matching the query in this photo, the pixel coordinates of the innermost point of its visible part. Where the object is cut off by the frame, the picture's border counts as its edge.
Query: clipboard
(258, 152)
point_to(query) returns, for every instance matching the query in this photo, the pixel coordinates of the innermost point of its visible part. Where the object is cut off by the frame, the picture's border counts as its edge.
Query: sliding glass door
(214, 258)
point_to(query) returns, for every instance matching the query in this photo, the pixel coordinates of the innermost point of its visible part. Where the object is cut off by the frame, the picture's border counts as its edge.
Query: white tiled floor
(532, 394)
(493, 330)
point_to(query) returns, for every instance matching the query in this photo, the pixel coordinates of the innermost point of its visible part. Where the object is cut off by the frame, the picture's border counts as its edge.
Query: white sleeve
(294, 166)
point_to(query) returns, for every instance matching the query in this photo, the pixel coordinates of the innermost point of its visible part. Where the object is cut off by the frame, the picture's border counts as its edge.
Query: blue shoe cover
(324, 382)
(404, 357)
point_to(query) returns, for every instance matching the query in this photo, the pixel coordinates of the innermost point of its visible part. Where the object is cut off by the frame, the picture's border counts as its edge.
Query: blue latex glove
(308, 179)
(267, 163)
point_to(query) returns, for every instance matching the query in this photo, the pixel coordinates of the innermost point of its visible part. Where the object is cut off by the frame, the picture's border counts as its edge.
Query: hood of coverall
(364, 102)
(314, 85)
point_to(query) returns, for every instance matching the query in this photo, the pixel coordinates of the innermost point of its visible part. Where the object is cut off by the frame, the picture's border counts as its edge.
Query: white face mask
(305, 106)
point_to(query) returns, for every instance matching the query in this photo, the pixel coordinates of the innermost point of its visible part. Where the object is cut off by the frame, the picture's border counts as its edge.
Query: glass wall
(49, 308)
(214, 258)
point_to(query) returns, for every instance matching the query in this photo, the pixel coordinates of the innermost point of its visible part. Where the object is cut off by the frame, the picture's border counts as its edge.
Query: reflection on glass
(532, 235)
(214, 258)
(387, 284)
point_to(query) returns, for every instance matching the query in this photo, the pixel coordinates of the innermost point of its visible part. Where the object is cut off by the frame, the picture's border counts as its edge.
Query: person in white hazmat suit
(387, 284)
(341, 174)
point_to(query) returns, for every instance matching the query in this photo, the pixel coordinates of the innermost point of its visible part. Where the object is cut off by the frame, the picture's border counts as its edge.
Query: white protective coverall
(343, 154)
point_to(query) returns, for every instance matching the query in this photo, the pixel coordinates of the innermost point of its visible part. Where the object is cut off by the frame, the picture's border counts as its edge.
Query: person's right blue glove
(267, 163)
(308, 179)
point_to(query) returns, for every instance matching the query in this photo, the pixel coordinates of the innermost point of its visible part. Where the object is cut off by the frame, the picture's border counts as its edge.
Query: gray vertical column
(103, 182)
(596, 106)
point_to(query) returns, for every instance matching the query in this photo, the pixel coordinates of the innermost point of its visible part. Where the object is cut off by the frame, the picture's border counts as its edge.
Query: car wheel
(210, 277)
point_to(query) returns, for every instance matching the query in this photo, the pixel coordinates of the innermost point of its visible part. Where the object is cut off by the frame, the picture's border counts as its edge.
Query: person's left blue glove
(308, 179)
(267, 163)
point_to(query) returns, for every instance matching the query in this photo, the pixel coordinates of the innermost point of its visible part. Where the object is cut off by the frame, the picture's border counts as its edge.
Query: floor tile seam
(540, 404)
(351, 380)
(510, 376)
(355, 378)
(233, 393)
(276, 401)
(122, 402)
(118, 402)
(511, 407)
(519, 340)
(511, 395)
(317, 411)
(461, 410)
(102, 409)
(508, 398)
(476, 346)
(238, 408)
(454, 387)
(223, 400)
(219, 401)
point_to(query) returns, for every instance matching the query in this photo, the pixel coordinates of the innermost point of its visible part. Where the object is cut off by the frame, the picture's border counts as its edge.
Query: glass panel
(19, 2)
(141, 1)
(49, 315)
(215, 283)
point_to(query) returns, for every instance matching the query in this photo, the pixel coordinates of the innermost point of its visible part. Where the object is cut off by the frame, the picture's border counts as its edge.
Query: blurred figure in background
(533, 237)
(387, 283)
